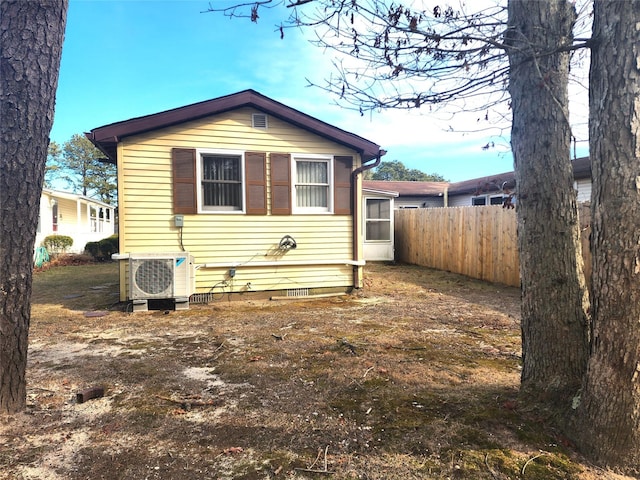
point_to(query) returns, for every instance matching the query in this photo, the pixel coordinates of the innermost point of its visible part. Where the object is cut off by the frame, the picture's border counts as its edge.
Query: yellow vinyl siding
(147, 218)
(274, 278)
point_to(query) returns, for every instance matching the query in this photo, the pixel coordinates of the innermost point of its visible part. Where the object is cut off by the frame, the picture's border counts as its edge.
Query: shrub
(56, 244)
(103, 249)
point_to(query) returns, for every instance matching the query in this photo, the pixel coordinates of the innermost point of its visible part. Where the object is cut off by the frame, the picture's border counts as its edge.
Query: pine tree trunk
(31, 35)
(607, 426)
(555, 301)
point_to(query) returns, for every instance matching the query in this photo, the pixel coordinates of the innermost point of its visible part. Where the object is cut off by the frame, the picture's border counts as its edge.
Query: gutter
(357, 281)
(369, 166)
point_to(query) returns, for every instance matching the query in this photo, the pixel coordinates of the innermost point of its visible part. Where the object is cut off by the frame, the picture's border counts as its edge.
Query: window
(488, 200)
(218, 181)
(96, 218)
(221, 182)
(496, 200)
(101, 219)
(93, 218)
(232, 181)
(312, 185)
(54, 216)
(377, 219)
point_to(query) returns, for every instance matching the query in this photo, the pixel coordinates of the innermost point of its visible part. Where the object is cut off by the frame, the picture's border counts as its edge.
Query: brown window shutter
(280, 184)
(256, 176)
(184, 180)
(342, 197)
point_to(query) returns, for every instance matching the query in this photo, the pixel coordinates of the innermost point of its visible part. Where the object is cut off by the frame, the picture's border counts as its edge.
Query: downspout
(357, 280)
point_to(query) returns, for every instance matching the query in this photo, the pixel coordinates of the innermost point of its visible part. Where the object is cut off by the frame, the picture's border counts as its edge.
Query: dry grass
(415, 377)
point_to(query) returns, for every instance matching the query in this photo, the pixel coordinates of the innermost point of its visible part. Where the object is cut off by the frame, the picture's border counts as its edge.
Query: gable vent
(259, 120)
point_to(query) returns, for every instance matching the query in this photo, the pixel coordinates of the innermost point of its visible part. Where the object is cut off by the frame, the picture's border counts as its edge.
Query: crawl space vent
(298, 292)
(259, 120)
(204, 298)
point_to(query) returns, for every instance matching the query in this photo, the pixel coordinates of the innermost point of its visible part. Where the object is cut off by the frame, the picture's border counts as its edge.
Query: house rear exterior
(253, 195)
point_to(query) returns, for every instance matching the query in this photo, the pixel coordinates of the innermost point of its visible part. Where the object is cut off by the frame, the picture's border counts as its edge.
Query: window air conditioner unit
(161, 275)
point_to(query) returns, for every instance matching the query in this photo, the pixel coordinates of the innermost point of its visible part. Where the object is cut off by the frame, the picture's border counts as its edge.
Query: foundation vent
(206, 298)
(298, 292)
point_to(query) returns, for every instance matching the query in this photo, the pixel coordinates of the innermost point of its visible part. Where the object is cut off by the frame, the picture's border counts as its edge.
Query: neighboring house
(412, 194)
(490, 190)
(377, 216)
(82, 218)
(236, 194)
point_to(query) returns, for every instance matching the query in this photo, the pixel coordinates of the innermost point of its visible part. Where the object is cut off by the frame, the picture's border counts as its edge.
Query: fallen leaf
(232, 450)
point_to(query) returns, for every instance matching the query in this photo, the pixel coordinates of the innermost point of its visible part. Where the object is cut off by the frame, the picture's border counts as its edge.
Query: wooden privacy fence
(480, 241)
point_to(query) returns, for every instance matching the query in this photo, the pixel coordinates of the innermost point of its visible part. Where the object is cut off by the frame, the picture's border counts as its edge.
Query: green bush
(103, 249)
(57, 243)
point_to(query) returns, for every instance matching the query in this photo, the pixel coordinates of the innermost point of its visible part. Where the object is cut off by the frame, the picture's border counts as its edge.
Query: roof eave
(107, 136)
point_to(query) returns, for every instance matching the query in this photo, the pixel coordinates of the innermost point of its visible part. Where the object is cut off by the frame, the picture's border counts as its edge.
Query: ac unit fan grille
(154, 276)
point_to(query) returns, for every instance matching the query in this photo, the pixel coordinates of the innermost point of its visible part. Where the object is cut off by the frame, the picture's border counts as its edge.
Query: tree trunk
(607, 426)
(31, 35)
(555, 300)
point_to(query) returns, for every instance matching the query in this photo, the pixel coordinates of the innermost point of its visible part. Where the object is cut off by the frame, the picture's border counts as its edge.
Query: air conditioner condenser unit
(161, 276)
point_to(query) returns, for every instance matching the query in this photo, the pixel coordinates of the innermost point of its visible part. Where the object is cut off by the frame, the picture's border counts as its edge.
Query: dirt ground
(413, 377)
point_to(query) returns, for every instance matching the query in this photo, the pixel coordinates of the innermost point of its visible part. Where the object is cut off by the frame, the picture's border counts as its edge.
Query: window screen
(312, 184)
(221, 182)
(378, 219)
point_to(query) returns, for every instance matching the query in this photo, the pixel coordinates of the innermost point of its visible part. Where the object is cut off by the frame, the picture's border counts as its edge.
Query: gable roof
(107, 137)
(492, 183)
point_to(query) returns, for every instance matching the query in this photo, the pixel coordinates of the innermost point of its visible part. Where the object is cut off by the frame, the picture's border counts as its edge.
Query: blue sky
(127, 58)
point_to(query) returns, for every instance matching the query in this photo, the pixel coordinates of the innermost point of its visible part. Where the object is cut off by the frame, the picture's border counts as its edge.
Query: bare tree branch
(391, 56)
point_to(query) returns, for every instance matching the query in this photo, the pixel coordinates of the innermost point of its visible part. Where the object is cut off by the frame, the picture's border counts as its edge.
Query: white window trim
(477, 197)
(217, 151)
(500, 196)
(487, 199)
(367, 219)
(294, 201)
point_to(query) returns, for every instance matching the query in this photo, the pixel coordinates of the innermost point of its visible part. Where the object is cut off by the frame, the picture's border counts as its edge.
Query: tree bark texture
(607, 426)
(31, 36)
(555, 301)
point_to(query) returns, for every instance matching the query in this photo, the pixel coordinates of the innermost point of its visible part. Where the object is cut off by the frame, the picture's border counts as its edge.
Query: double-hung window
(488, 200)
(378, 219)
(312, 184)
(221, 182)
(236, 181)
(497, 199)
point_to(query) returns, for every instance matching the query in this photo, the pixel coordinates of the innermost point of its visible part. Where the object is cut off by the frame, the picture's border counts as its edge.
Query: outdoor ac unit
(160, 275)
